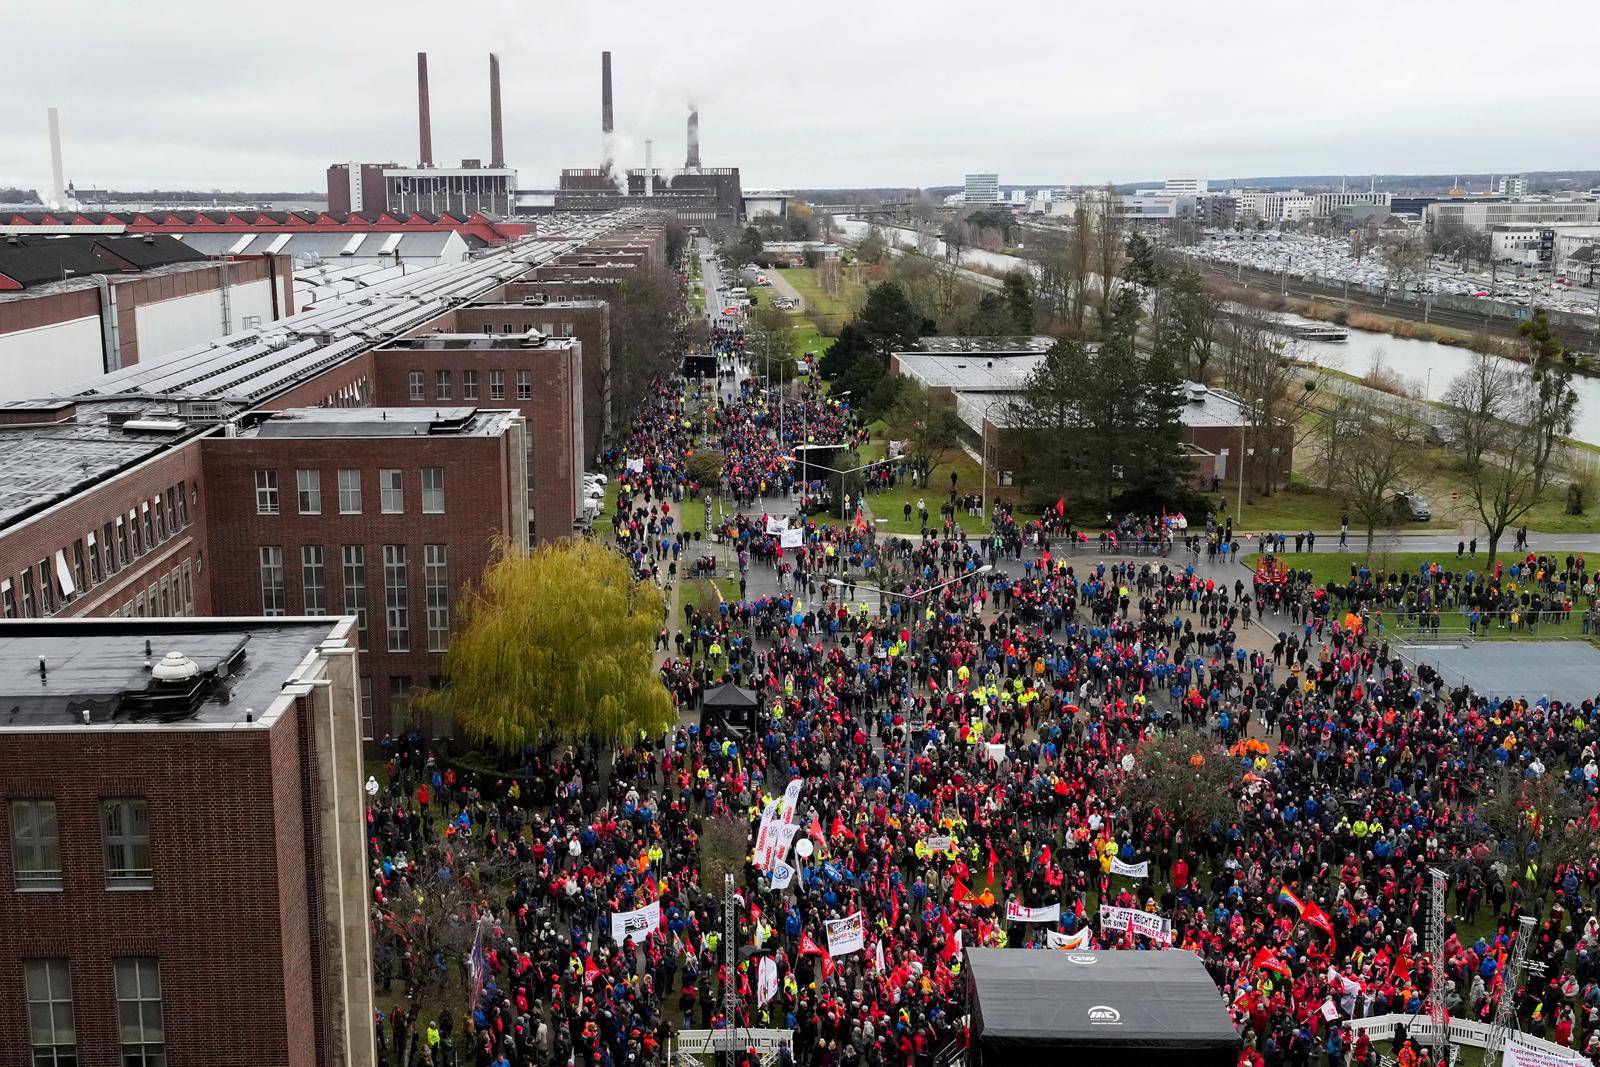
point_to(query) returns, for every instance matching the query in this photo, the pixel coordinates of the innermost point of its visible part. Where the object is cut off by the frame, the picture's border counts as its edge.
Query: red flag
(952, 947)
(838, 827)
(808, 947)
(1314, 915)
(1044, 856)
(1061, 505)
(590, 971)
(993, 859)
(960, 893)
(1402, 968)
(894, 910)
(947, 926)
(1268, 960)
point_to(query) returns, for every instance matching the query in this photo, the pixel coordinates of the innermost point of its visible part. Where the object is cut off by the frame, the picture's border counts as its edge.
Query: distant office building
(1481, 215)
(1019, 197)
(1185, 187)
(184, 823)
(982, 189)
(1216, 212)
(1512, 185)
(1323, 205)
(1274, 205)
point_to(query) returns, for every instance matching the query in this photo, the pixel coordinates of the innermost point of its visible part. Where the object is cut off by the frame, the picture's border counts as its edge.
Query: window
(391, 491)
(397, 618)
(47, 588)
(127, 834)
(308, 485)
(497, 385)
(9, 596)
(96, 574)
(366, 709)
(144, 1042)
(434, 571)
(50, 1028)
(108, 548)
(433, 490)
(416, 385)
(313, 580)
(122, 542)
(399, 694)
(266, 492)
(35, 848)
(271, 580)
(133, 529)
(469, 385)
(355, 589)
(149, 526)
(183, 506)
(79, 570)
(188, 590)
(173, 522)
(30, 608)
(161, 520)
(349, 492)
(524, 385)
(441, 385)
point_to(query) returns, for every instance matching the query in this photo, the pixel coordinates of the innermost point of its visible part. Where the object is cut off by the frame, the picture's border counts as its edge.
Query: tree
(1161, 467)
(1379, 456)
(556, 645)
(1018, 291)
(1195, 310)
(649, 337)
(771, 343)
(1106, 242)
(1406, 256)
(1499, 444)
(928, 427)
(1185, 777)
(1257, 364)
(1554, 402)
(886, 323)
(1536, 818)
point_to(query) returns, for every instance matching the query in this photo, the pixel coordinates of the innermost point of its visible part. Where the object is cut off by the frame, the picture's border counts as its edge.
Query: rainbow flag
(1286, 897)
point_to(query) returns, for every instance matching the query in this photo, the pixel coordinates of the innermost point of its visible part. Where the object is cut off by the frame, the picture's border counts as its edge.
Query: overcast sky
(202, 94)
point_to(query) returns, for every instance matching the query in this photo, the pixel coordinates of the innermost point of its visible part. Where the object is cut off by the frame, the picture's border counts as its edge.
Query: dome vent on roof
(174, 667)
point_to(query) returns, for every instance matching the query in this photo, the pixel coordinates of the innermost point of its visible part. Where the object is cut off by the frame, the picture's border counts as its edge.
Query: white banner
(1130, 870)
(1521, 1054)
(635, 465)
(636, 925)
(777, 524)
(995, 750)
(846, 935)
(1056, 939)
(1133, 921)
(791, 538)
(766, 980)
(781, 875)
(1330, 1010)
(1021, 913)
(939, 843)
(791, 798)
(764, 836)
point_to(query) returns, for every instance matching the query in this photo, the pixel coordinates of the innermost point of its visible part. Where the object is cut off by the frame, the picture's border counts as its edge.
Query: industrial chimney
(693, 162)
(605, 92)
(649, 175)
(497, 146)
(424, 121)
(58, 186)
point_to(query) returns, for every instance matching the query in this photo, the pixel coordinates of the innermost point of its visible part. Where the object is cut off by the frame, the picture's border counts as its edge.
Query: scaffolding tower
(1505, 1013)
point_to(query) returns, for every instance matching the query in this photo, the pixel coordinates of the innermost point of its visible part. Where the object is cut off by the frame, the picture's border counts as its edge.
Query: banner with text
(1021, 913)
(846, 935)
(1056, 939)
(636, 925)
(1130, 870)
(1134, 921)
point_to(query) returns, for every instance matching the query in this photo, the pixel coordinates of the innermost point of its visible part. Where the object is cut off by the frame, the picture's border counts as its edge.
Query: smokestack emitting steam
(605, 92)
(649, 175)
(693, 161)
(424, 122)
(497, 147)
(58, 187)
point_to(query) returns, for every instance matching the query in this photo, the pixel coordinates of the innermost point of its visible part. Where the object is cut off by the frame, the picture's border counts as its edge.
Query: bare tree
(1379, 456)
(1406, 257)
(1108, 243)
(1474, 402)
(1500, 444)
(1258, 364)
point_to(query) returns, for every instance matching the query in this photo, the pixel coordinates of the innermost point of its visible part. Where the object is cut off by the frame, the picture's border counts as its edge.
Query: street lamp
(919, 594)
(835, 470)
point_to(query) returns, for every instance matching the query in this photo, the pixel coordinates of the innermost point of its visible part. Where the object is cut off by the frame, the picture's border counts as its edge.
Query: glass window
(399, 694)
(349, 492)
(416, 386)
(183, 505)
(35, 848)
(524, 385)
(497, 385)
(96, 574)
(161, 520)
(266, 492)
(355, 589)
(133, 530)
(122, 542)
(50, 1026)
(47, 588)
(271, 580)
(9, 595)
(173, 521)
(108, 549)
(308, 486)
(188, 590)
(397, 618)
(139, 1027)
(30, 608)
(433, 490)
(434, 559)
(149, 526)
(469, 385)
(127, 839)
(441, 385)
(366, 709)
(313, 580)
(391, 491)
(79, 571)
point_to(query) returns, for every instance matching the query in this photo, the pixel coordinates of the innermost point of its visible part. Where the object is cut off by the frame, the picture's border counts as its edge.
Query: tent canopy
(729, 696)
(1057, 1005)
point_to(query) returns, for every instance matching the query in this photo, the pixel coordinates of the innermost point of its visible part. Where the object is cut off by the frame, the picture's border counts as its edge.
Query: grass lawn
(1335, 567)
(836, 309)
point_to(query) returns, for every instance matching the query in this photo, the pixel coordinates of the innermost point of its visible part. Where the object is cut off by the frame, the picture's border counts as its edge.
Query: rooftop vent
(149, 425)
(174, 667)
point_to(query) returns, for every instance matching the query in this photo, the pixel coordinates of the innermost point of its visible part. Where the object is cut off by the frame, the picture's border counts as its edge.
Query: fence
(1458, 1031)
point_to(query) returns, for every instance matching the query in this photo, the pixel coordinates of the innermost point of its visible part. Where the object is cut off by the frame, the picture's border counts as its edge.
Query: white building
(982, 189)
(1323, 204)
(1482, 215)
(1276, 205)
(1185, 187)
(1019, 197)
(1512, 185)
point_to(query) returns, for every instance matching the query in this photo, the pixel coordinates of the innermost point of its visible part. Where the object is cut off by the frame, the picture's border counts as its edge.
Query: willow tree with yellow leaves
(556, 645)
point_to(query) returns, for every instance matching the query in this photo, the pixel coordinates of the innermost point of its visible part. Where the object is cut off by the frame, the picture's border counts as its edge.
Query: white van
(738, 292)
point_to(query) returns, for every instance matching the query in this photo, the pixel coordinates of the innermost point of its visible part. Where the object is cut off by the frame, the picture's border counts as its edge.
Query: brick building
(185, 865)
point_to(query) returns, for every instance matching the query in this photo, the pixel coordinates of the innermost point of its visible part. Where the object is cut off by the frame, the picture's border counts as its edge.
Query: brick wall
(228, 917)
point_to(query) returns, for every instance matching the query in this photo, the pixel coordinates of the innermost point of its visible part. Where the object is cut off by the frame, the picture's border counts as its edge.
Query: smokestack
(58, 188)
(605, 92)
(497, 146)
(693, 162)
(424, 121)
(649, 175)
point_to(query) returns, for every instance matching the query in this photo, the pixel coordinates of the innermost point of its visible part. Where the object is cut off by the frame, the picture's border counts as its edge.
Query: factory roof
(424, 244)
(977, 372)
(28, 262)
(124, 418)
(238, 671)
(382, 422)
(996, 345)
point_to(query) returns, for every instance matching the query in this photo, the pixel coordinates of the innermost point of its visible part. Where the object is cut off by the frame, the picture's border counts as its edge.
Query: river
(1428, 363)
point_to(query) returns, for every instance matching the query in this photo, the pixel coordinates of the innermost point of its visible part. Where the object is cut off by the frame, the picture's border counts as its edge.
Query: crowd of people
(957, 730)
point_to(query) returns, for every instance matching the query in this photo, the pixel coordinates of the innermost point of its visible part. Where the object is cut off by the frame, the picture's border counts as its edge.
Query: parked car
(1412, 505)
